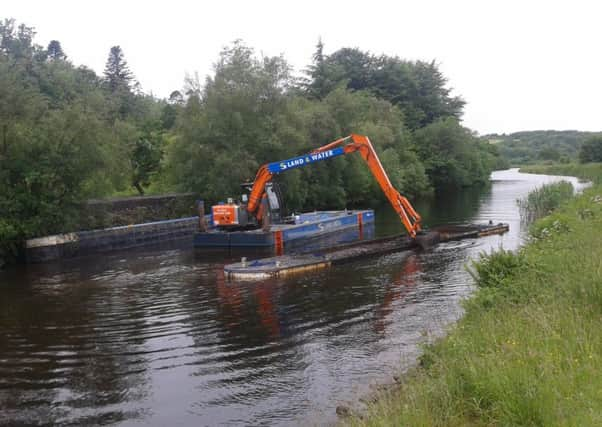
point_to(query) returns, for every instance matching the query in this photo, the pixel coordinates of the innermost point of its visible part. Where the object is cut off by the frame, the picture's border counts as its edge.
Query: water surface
(159, 337)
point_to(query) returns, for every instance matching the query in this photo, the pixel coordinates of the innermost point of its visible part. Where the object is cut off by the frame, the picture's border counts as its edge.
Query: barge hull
(308, 226)
(289, 264)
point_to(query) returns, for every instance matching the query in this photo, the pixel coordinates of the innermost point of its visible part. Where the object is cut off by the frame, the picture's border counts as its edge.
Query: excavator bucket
(427, 239)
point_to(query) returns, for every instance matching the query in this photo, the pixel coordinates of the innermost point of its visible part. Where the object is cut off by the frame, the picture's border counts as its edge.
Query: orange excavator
(258, 208)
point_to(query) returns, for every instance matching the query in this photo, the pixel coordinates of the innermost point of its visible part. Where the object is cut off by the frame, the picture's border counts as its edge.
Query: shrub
(553, 224)
(9, 241)
(494, 275)
(492, 270)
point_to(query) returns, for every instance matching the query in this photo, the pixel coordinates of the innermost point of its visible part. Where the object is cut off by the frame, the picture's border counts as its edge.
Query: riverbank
(528, 350)
(589, 171)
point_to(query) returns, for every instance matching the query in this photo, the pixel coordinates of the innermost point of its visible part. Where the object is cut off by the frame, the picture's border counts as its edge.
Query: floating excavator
(257, 220)
(263, 202)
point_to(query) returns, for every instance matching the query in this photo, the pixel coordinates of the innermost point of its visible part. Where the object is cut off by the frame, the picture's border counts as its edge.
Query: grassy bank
(529, 349)
(590, 171)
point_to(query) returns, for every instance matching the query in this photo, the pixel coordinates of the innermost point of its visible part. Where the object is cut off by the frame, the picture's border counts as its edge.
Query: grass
(544, 200)
(589, 171)
(529, 349)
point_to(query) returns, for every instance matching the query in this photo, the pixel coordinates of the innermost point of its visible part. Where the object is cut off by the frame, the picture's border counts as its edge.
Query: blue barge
(306, 227)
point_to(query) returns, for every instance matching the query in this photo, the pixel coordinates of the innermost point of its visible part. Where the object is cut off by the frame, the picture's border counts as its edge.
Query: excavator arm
(350, 144)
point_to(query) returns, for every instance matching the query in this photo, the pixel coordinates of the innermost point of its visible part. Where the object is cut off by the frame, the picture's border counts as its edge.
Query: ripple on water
(160, 337)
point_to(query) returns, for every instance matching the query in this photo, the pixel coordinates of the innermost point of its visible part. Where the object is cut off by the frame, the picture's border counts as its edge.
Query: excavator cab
(233, 214)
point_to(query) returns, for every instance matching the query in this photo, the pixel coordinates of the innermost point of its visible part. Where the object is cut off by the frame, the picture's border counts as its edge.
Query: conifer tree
(117, 73)
(55, 51)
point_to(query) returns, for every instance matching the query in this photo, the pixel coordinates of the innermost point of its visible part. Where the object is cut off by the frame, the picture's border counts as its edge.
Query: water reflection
(397, 290)
(159, 336)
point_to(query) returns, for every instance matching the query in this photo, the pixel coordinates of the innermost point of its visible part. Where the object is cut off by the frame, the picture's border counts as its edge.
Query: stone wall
(96, 214)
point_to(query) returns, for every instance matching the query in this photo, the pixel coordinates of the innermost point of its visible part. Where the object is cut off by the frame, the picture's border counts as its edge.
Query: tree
(417, 87)
(126, 96)
(146, 159)
(452, 155)
(549, 153)
(244, 117)
(118, 76)
(229, 125)
(55, 51)
(526, 147)
(322, 76)
(55, 141)
(354, 66)
(591, 150)
(170, 110)
(17, 43)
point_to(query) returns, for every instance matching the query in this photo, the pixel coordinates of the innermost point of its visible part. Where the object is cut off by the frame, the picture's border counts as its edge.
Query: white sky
(520, 65)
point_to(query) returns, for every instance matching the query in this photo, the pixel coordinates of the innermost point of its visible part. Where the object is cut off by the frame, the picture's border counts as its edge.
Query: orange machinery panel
(225, 214)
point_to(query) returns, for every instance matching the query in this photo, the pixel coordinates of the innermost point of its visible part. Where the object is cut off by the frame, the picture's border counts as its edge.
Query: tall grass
(529, 349)
(544, 200)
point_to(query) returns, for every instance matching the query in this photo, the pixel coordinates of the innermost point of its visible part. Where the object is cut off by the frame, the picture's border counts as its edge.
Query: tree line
(547, 146)
(68, 134)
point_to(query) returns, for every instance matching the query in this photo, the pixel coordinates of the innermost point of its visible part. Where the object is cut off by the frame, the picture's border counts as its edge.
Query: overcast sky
(520, 65)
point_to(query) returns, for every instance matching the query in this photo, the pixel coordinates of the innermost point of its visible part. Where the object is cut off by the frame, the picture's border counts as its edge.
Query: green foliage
(118, 76)
(321, 79)
(452, 155)
(146, 159)
(494, 159)
(550, 225)
(246, 115)
(542, 201)
(60, 142)
(590, 172)
(524, 148)
(247, 118)
(495, 269)
(171, 109)
(418, 88)
(494, 274)
(10, 239)
(55, 51)
(591, 150)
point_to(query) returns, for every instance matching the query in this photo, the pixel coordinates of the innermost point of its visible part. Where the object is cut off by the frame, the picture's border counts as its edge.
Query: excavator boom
(350, 144)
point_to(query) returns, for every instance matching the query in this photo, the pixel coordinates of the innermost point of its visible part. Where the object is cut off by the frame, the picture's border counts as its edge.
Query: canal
(159, 337)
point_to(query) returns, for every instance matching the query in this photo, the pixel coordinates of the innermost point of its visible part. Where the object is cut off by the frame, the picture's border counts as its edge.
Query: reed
(542, 201)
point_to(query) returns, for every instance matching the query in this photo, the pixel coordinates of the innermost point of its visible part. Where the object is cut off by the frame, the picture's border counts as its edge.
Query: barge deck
(296, 263)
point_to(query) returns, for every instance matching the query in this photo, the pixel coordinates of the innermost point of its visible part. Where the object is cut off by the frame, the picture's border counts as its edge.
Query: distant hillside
(527, 147)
